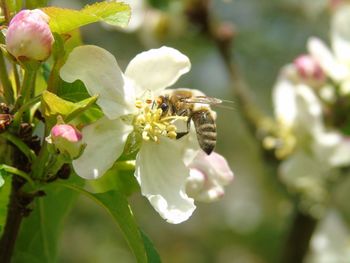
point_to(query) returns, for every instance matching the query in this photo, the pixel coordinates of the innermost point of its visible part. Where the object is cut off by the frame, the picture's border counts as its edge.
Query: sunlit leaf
(64, 20)
(117, 206)
(52, 106)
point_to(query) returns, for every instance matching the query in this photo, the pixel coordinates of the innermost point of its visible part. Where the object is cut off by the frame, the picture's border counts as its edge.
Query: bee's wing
(203, 100)
(225, 104)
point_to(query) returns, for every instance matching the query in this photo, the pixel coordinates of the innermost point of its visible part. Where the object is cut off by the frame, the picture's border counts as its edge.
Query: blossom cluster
(310, 110)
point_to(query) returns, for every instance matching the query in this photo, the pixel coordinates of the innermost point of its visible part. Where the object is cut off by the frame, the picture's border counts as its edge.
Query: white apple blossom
(127, 100)
(335, 62)
(317, 150)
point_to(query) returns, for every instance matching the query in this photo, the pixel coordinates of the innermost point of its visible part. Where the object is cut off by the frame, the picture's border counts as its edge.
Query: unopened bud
(208, 176)
(308, 68)
(67, 139)
(29, 36)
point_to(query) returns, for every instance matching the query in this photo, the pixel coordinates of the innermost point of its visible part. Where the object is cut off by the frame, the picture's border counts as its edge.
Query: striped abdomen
(206, 129)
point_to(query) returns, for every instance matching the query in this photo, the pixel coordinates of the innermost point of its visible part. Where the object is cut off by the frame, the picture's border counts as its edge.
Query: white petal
(105, 141)
(157, 69)
(340, 33)
(300, 169)
(162, 176)
(284, 101)
(99, 71)
(309, 110)
(332, 148)
(325, 58)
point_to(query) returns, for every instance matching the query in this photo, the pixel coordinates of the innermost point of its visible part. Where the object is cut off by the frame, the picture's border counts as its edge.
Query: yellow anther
(151, 123)
(138, 104)
(171, 127)
(145, 136)
(171, 135)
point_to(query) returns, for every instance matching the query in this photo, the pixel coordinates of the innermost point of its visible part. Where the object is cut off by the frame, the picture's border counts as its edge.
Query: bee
(194, 105)
(5, 117)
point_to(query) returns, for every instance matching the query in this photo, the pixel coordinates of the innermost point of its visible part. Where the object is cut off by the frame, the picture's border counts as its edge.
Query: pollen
(151, 123)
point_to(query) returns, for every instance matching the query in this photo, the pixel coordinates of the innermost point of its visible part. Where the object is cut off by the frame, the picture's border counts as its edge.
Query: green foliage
(160, 4)
(117, 178)
(4, 198)
(152, 254)
(64, 20)
(32, 4)
(53, 106)
(117, 206)
(14, 5)
(38, 238)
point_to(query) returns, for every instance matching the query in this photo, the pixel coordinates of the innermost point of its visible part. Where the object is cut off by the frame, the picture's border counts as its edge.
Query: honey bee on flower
(132, 103)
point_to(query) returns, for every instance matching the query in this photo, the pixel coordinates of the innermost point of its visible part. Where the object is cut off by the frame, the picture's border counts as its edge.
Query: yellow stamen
(152, 125)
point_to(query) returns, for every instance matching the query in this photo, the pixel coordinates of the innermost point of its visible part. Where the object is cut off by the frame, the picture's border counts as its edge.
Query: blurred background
(250, 223)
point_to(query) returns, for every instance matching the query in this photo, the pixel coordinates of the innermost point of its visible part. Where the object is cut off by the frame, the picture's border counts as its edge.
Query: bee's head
(163, 104)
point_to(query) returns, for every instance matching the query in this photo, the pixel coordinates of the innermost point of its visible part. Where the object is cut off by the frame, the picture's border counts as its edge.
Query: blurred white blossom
(317, 149)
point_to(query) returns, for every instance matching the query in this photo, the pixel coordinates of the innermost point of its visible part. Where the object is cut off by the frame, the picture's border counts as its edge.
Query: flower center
(151, 123)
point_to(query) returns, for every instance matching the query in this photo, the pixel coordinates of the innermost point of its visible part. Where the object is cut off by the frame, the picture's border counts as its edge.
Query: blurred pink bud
(308, 68)
(208, 176)
(29, 36)
(67, 139)
(66, 131)
(334, 4)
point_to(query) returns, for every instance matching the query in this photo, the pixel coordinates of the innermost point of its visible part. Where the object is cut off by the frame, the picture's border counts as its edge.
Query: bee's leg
(181, 134)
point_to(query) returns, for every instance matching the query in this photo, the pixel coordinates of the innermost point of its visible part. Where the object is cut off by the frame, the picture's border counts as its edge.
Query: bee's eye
(164, 107)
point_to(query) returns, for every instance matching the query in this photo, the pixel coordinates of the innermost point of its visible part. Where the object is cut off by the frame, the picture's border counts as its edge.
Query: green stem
(14, 170)
(18, 116)
(40, 164)
(27, 85)
(7, 86)
(56, 166)
(29, 153)
(17, 79)
(5, 11)
(125, 165)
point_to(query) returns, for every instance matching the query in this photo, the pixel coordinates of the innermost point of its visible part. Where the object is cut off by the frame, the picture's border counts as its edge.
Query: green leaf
(14, 6)
(4, 199)
(74, 92)
(39, 235)
(32, 4)
(53, 106)
(117, 206)
(116, 178)
(64, 20)
(152, 254)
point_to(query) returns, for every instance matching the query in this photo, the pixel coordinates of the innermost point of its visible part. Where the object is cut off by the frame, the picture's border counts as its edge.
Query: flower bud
(208, 176)
(67, 139)
(29, 36)
(308, 68)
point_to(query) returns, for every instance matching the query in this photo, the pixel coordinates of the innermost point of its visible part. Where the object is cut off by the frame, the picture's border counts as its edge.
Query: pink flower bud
(29, 36)
(208, 176)
(67, 139)
(308, 68)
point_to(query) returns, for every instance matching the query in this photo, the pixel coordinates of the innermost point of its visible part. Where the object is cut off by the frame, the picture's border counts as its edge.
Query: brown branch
(17, 209)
